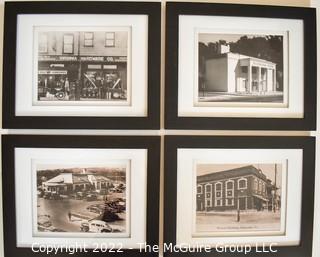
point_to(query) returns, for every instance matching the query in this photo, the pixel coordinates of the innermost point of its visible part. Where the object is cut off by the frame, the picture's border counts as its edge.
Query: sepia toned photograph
(243, 198)
(82, 198)
(241, 69)
(78, 64)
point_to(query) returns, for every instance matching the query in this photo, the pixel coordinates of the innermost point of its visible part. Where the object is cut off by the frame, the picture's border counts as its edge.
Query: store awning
(261, 198)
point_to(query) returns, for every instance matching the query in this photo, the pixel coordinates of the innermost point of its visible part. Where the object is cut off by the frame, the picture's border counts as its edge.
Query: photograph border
(151, 121)
(10, 142)
(307, 144)
(174, 121)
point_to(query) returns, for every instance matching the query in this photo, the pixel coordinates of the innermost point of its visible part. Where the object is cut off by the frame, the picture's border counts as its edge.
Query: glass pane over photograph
(79, 64)
(82, 199)
(239, 198)
(240, 69)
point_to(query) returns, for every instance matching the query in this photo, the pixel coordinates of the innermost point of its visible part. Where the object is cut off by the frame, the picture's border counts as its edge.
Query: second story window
(88, 39)
(218, 190)
(242, 183)
(229, 188)
(68, 42)
(208, 196)
(43, 43)
(199, 189)
(255, 184)
(110, 39)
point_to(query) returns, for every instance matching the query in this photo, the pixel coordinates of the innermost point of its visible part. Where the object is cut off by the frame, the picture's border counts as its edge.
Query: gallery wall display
(248, 191)
(81, 65)
(99, 195)
(240, 67)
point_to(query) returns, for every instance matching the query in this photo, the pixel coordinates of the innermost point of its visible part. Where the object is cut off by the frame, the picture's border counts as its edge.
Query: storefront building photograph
(82, 65)
(66, 183)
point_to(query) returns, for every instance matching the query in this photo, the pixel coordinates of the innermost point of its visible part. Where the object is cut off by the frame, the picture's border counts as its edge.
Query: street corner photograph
(241, 70)
(246, 199)
(82, 199)
(82, 64)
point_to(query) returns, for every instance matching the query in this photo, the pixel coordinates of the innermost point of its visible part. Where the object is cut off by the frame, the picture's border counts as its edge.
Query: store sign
(109, 67)
(92, 58)
(53, 72)
(82, 58)
(94, 66)
(57, 65)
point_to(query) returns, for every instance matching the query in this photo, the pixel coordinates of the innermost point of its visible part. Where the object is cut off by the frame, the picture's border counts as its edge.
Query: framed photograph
(81, 195)
(228, 196)
(82, 65)
(240, 67)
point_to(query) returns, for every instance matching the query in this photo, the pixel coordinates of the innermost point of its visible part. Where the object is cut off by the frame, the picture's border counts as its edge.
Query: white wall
(316, 252)
(217, 74)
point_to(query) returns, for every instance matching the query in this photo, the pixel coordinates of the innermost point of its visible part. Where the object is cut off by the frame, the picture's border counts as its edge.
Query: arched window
(229, 193)
(199, 189)
(263, 187)
(255, 184)
(208, 196)
(242, 183)
(218, 194)
(260, 185)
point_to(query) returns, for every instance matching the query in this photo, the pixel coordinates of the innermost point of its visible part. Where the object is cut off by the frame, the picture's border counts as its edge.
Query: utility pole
(238, 209)
(275, 187)
(78, 82)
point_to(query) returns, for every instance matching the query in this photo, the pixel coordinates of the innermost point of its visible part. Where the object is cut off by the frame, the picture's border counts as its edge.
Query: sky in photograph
(121, 164)
(214, 37)
(267, 169)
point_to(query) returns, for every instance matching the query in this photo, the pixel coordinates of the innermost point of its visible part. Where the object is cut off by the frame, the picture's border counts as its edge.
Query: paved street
(249, 221)
(81, 99)
(236, 97)
(59, 210)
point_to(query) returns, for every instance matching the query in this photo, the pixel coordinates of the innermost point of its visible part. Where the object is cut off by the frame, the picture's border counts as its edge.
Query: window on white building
(43, 43)
(110, 39)
(242, 183)
(88, 39)
(68, 42)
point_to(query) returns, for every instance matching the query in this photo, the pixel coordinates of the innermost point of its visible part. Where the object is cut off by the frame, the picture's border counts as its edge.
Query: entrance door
(242, 203)
(199, 205)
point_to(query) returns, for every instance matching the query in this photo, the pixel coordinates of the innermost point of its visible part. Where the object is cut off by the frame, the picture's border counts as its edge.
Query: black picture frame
(150, 121)
(307, 144)
(10, 142)
(174, 121)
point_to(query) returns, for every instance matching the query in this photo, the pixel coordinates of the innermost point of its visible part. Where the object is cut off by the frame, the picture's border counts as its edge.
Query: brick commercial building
(86, 59)
(246, 188)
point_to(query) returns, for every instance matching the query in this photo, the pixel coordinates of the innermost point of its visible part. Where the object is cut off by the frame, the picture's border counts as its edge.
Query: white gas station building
(233, 73)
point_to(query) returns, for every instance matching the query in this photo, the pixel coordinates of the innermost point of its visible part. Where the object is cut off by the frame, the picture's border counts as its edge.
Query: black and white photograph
(241, 68)
(82, 64)
(239, 198)
(82, 198)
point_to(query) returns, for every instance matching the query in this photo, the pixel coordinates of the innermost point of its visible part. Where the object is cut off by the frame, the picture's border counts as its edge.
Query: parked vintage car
(91, 197)
(78, 195)
(44, 223)
(52, 196)
(96, 226)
